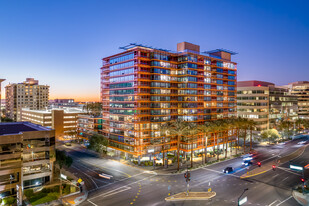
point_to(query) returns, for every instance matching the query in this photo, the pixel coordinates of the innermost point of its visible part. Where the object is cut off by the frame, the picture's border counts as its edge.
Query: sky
(61, 42)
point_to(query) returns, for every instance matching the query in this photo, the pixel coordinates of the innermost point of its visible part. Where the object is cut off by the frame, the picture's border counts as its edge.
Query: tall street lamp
(238, 202)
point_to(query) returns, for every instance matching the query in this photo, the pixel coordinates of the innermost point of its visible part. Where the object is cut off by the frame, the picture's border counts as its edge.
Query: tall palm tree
(238, 124)
(228, 126)
(205, 130)
(191, 135)
(245, 126)
(178, 128)
(164, 129)
(252, 124)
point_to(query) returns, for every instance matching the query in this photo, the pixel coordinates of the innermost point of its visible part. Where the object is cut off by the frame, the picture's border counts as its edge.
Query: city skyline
(63, 42)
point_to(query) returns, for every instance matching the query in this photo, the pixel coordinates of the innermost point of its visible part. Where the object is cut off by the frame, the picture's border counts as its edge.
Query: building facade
(63, 121)
(265, 103)
(60, 103)
(27, 156)
(1, 80)
(143, 87)
(28, 94)
(88, 125)
(301, 90)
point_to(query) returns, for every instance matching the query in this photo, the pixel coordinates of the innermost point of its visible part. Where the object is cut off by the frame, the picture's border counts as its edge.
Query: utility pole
(187, 176)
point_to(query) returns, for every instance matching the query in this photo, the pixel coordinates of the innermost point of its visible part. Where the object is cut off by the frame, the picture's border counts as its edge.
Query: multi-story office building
(301, 90)
(143, 87)
(265, 103)
(28, 94)
(88, 125)
(27, 155)
(63, 120)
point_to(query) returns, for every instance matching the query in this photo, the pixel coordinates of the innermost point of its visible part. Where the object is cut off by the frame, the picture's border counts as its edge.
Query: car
(106, 176)
(228, 170)
(68, 144)
(247, 162)
(302, 142)
(248, 156)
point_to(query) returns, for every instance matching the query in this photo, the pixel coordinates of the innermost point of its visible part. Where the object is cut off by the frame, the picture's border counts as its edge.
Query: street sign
(63, 176)
(242, 201)
(209, 189)
(79, 180)
(295, 167)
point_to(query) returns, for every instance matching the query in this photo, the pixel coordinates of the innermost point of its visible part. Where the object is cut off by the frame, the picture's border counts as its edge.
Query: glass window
(123, 65)
(121, 58)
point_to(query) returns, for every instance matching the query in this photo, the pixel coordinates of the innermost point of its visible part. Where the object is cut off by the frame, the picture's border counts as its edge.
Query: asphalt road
(133, 186)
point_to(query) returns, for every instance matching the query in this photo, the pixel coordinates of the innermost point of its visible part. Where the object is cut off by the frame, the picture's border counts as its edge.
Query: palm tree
(251, 124)
(178, 128)
(205, 130)
(238, 124)
(192, 132)
(164, 129)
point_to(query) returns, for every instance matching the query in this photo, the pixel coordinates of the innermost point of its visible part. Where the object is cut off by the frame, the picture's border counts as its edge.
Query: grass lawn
(48, 198)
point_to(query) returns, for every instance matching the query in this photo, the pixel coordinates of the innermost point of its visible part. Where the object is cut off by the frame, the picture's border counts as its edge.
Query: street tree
(98, 143)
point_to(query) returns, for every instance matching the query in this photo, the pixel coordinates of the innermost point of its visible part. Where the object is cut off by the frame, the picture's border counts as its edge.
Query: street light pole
(241, 195)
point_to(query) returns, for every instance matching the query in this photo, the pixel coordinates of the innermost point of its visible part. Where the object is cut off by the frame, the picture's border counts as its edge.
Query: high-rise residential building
(28, 94)
(27, 156)
(64, 120)
(143, 87)
(88, 125)
(301, 90)
(1, 80)
(265, 103)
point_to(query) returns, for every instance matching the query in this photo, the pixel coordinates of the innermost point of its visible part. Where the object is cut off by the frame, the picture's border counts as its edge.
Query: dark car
(228, 170)
(247, 163)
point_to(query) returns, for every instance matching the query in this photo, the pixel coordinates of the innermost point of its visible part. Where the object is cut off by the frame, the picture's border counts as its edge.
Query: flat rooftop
(18, 127)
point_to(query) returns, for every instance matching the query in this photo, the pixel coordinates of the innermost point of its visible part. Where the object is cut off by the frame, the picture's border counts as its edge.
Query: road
(133, 186)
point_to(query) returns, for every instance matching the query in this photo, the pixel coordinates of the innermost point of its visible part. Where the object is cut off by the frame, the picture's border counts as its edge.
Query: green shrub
(48, 198)
(150, 163)
(28, 193)
(8, 201)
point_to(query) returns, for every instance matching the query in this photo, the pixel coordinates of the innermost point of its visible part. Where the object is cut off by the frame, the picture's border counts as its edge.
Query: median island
(191, 196)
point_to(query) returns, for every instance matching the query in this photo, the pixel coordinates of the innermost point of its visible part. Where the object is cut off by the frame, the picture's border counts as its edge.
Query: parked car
(228, 170)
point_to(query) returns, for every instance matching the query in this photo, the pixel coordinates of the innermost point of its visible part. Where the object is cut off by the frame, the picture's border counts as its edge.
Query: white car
(302, 142)
(106, 176)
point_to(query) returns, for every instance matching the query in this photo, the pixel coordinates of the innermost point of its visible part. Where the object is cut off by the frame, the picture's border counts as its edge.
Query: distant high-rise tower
(1, 80)
(28, 94)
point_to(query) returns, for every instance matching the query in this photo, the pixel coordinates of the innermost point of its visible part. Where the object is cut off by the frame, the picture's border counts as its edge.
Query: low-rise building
(88, 125)
(265, 103)
(27, 155)
(64, 120)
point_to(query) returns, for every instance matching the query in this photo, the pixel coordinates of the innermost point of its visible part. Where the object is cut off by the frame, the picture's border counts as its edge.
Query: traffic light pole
(303, 181)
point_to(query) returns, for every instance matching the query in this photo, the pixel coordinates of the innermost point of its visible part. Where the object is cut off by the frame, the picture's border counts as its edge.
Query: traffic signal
(189, 176)
(259, 164)
(185, 175)
(274, 167)
(302, 180)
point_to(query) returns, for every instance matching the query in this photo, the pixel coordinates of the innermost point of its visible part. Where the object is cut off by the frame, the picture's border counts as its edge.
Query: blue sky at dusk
(61, 43)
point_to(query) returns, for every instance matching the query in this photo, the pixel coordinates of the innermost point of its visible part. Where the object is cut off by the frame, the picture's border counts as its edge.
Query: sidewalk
(75, 199)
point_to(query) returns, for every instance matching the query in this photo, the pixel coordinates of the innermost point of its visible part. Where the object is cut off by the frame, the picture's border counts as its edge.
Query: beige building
(1, 80)
(64, 120)
(27, 156)
(28, 94)
(88, 125)
(265, 103)
(301, 90)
